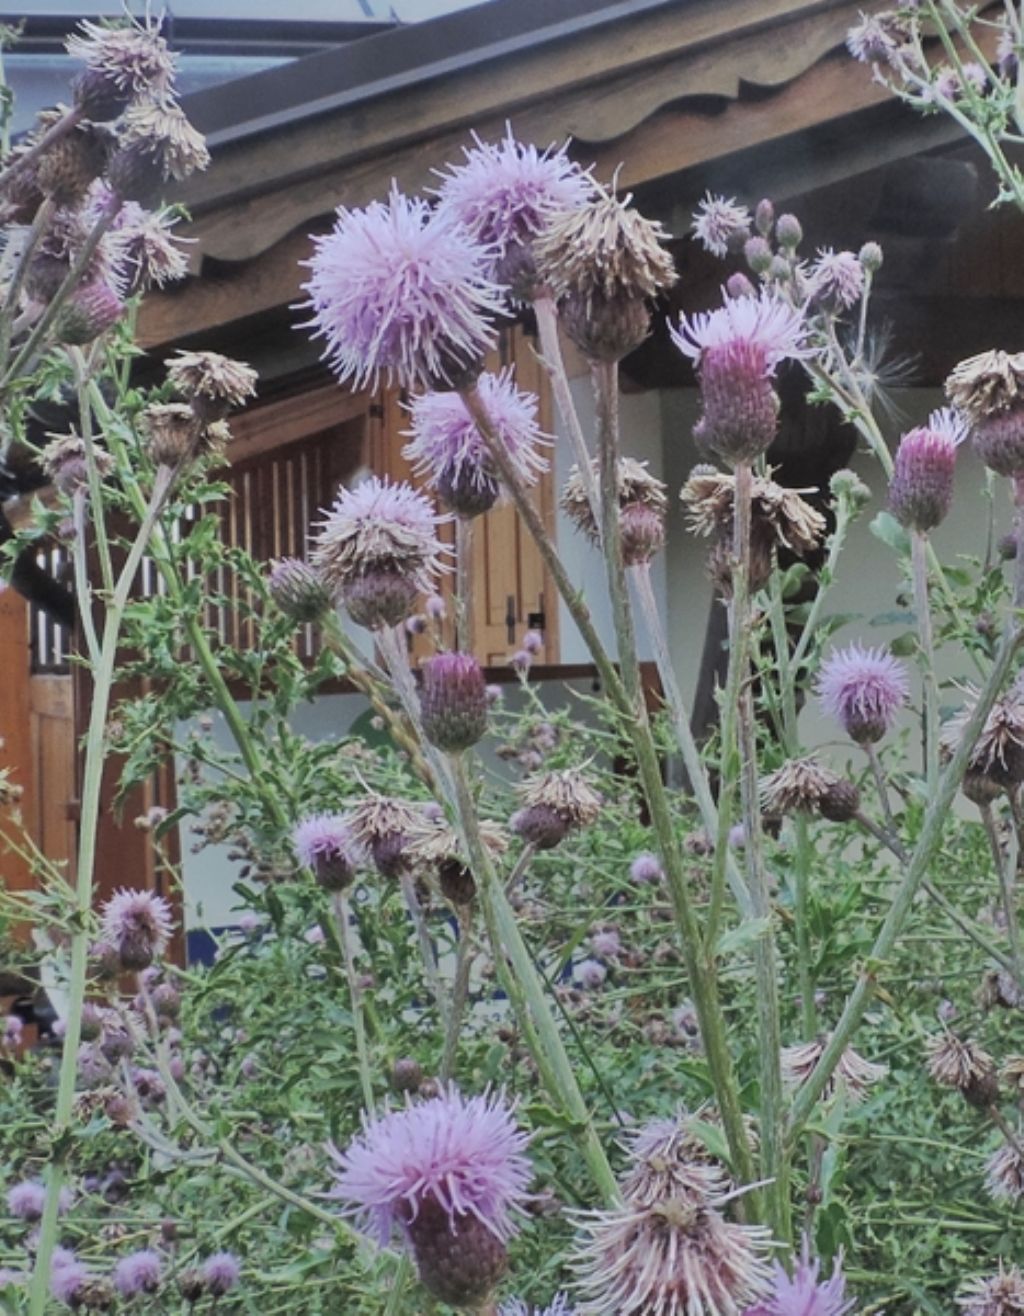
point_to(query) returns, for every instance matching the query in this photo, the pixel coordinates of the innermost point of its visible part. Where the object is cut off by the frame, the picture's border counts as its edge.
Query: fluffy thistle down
(736, 350)
(997, 759)
(987, 388)
(382, 825)
(1004, 1175)
(325, 845)
(604, 262)
(504, 194)
(921, 487)
(1001, 1294)
(378, 548)
(853, 1074)
(720, 224)
(449, 1174)
(447, 451)
(962, 1064)
(864, 690)
(138, 925)
(804, 1293)
(708, 497)
(401, 293)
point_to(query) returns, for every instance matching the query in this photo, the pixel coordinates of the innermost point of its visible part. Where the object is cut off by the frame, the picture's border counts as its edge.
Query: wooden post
(16, 725)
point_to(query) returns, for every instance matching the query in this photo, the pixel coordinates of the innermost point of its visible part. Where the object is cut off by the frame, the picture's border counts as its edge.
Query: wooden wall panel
(16, 723)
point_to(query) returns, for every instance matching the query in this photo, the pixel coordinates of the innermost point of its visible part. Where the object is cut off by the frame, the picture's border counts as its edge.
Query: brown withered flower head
(1012, 1074)
(798, 786)
(989, 390)
(997, 760)
(853, 1073)
(156, 142)
(212, 383)
(553, 804)
(962, 1064)
(64, 461)
(1004, 1174)
(709, 495)
(604, 262)
(642, 507)
(381, 825)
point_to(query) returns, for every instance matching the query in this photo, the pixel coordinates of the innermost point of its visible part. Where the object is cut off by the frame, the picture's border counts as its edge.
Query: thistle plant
(409, 1077)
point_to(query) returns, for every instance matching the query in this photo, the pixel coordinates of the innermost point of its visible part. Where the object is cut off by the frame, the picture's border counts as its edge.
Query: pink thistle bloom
(505, 193)
(765, 326)
(138, 924)
(448, 451)
(606, 943)
(591, 974)
(837, 278)
(717, 223)
(221, 1272)
(921, 488)
(863, 689)
(876, 37)
(645, 868)
(68, 1277)
(802, 1294)
(400, 292)
(139, 1272)
(324, 843)
(464, 1155)
(27, 1200)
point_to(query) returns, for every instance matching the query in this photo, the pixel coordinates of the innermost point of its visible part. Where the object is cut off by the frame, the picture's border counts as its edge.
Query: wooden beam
(16, 729)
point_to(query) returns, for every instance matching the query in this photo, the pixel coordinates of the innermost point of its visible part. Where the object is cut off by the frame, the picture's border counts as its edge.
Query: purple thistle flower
(68, 1277)
(221, 1272)
(139, 1272)
(504, 194)
(448, 451)
(27, 1200)
(768, 327)
(718, 223)
(591, 974)
(138, 924)
(13, 1029)
(400, 292)
(863, 689)
(803, 1294)
(921, 488)
(121, 61)
(449, 1172)
(378, 548)
(837, 279)
(607, 943)
(324, 843)
(646, 868)
(453, 701)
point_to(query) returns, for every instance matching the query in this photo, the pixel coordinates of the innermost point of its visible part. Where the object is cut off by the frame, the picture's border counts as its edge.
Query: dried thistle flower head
(122, 61)
(604, 262)
(798, 786)
(147, 251)
(962, 1064)
(173, 432)
(642, 508)
(378, 548)
(1012, 1074)
(67, 169)
(997, 760)
(156, 143)
(709, 496)
(676, 1255)
(987, 388)
(1001, 1294)
(667, 1161)
(567, 792)
(1004, 1174)
(853, 1073)
(212, 383)
(382, 825)
(64, 460)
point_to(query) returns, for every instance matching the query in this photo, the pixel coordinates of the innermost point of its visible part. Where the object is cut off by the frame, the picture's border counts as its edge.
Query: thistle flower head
(803, 1293)
(448, 451)
(221, 1273)
(676, 1255)
(962, 1064)
(432, 840)
(139, 925)
(718, 224)
(646, 868)
(212, 383)
(566, 792)
(504, 194)
(667, 1161)
(382, 825)
(450, 1173)
(156, 143)
(453, 701)
(921, 487)
(1004, 1174)
(297, 590)
(997, 759)
(864, 690)
(65, 461)
(139, 1272)
(560, 1306)
(709, 495)
(147, 251)
(836, 279)
(853, 1074)
(639, 492)
(69, 1278)
(376, 532)
(400, 292)
(324, 844)
(877, 38)
(128, 59)
(798, 786)
(987, 384)
(1001, 1294)
(764, 329)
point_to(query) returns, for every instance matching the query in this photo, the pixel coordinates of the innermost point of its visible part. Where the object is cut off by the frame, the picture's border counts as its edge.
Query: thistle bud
(758, 254)
(921, 487)
(764, 217)
(298, 591)
(870, 256)
(540, 826)
(738, 285)
(456, 881)
(406, 1074)
(91, 310)
(789, 232)
(845, 484)
(453, 701)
